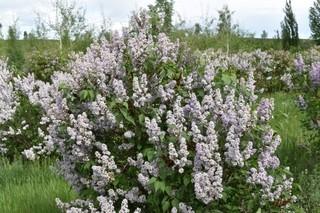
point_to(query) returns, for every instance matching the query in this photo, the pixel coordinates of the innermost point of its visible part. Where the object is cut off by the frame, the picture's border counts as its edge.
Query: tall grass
(31, 187)
(294, 150)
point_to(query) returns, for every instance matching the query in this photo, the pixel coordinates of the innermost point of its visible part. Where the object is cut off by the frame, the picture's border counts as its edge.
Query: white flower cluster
(8, 99)
(147, 170)
(182, 208)
(207, 167)
(271, 188)
(287, 80)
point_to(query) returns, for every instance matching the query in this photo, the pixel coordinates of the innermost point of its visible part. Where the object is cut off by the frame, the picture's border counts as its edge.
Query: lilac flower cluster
(301, 102)
(265, 109)
(299, 64)
(287, 80)
(272, 189)
(314, 74)
(8, 100)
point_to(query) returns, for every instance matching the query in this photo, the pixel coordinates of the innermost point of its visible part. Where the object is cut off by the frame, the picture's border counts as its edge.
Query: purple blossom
(299, 63)
(314, 74)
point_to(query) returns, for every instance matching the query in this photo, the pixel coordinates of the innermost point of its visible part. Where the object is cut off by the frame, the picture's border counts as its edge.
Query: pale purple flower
(314, 74)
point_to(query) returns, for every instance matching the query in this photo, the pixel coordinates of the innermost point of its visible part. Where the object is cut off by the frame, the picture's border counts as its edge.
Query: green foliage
(161, 16)
(13, 52)
(225, 29)
(42, 63)
(31, 187)
(309, 181)
(225, 21)
(314, 18)
(264, 34)
(70, 24)
(294, 150)
(289, 28)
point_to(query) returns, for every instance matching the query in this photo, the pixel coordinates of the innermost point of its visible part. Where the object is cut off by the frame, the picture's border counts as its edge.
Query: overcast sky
(252, 15)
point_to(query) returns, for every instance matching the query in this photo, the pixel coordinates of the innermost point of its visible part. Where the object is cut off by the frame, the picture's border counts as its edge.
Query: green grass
(295, 150)
(203, 42)
(288, 123)
(27, 46)
(31, 188)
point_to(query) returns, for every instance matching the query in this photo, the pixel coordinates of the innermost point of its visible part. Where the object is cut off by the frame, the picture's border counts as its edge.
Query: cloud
(253, 16)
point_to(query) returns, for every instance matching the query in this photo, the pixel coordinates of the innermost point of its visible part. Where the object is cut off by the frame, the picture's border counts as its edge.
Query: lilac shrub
(270, 68)
(138, 126)
(8, 101)
(18, 117)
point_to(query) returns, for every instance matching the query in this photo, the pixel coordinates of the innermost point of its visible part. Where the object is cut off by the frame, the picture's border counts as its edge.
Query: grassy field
(31, 187)
(294, 150)
(28, 45)
(195, 42)
(288, 122)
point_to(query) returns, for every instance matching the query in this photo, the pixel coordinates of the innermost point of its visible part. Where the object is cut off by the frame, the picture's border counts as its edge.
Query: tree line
(73, 33)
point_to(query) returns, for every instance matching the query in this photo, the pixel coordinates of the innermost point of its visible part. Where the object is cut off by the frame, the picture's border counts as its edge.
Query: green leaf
(228, 78)
(87, 95)
(152, 180)
(259, 210)
(186, 180)
(159, 185)
(150, 153)
(165, 205)
(141, 119)
(168, 190)
(175, 202)
(83, 94)
(126, 115)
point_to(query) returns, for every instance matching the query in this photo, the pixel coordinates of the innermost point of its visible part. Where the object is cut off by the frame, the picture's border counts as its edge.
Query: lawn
(31, 187)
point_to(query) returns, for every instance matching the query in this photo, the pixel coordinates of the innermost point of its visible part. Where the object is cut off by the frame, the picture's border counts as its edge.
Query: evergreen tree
(314, 17)
(25, 35)
(264, 34)
(197, 29)
(289, 28)
(1, 35)
(14, 52)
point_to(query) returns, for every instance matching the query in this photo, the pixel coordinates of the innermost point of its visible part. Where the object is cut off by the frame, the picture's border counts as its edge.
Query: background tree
(289, 28)
(161, 16)
(25, 35)
(42, 29)
(314, 18)
(14, 52)
(208, 25)
(70, 22)
(197, 29)
(224, 21)
(1, 35)
(105, 28)
(264, 34)
(225, 29)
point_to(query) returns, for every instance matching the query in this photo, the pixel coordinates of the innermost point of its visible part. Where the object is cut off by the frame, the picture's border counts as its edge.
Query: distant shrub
(14, 52)
(43, 63)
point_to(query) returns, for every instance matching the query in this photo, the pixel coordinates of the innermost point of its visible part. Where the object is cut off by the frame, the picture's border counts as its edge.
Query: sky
(252, 15)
